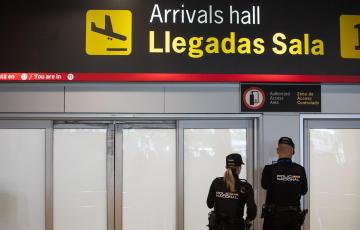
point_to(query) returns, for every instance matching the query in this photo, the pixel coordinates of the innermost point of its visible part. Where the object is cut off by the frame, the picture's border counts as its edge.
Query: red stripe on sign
(174, 77)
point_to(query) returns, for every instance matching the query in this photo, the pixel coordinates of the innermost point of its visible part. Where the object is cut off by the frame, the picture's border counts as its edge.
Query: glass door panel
(149, 179)
(80, 197)
(22, 179)
(334, 182)
(206, 144)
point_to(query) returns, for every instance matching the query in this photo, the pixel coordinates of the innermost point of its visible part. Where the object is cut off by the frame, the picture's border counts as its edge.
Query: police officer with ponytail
(228, 196)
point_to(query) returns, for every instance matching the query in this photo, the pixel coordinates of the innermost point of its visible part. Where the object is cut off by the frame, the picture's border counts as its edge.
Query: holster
(266, 210)
(219, 221)
(213, 223)
(303, 216)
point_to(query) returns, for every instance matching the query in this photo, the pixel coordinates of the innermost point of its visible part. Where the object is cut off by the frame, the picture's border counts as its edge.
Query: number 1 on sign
(358, 28)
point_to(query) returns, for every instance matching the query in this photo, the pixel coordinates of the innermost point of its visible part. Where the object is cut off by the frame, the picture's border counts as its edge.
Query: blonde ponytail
(229, 180)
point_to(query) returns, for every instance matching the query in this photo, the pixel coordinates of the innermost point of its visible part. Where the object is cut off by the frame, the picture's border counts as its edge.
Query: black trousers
(282, 221)
(232, 226)
(236, 227)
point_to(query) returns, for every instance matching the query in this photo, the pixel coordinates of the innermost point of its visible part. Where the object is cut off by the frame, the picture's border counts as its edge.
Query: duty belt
(229, 219)
(235, 220)
(273, 208)
(287, 208)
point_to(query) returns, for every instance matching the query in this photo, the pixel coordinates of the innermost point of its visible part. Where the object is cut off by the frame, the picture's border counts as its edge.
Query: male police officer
(285, 182)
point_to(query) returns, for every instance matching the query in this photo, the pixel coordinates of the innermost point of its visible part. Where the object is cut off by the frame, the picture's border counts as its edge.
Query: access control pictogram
(350, 36)
(254, 98)
(108, 32)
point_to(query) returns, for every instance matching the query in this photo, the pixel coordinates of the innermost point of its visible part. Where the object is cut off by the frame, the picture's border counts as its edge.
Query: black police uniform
(229, 206)
(285, 182)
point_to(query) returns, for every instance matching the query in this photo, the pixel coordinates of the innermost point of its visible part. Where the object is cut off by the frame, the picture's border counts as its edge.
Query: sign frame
(176, 77)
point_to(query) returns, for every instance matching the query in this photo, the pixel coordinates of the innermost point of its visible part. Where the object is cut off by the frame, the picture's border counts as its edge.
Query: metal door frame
(248, 124)
(119, 127)
(110, 150)
(313, 121)
(48, 126)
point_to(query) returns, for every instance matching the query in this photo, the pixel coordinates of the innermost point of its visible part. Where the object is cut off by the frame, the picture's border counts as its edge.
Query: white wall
(202, 98)
(278, 125)
(340, 98)
(16, 98)
(149, 98)
(114, 98)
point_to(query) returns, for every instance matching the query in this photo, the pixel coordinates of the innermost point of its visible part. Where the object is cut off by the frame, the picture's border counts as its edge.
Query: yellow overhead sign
(350, 36)
(108, 32)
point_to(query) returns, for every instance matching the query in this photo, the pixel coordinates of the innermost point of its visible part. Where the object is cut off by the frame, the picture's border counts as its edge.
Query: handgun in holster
(217, 221)
(212, 221)
(266, 210)
(303, 215)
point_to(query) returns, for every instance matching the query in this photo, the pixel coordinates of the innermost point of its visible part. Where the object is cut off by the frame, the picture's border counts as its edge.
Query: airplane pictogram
(108, 30)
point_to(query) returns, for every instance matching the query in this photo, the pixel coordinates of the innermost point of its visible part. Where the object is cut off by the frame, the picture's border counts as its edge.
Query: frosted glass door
(22, 179)
(149, 179)
(80, 179)
(204, 159)
(334, 179)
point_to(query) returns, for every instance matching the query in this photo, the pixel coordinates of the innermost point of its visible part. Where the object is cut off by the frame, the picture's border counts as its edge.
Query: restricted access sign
(280, 98)
(254, 98)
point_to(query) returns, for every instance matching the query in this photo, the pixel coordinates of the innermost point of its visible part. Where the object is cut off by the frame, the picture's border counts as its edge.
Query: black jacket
(231, 204)
(285, 182)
